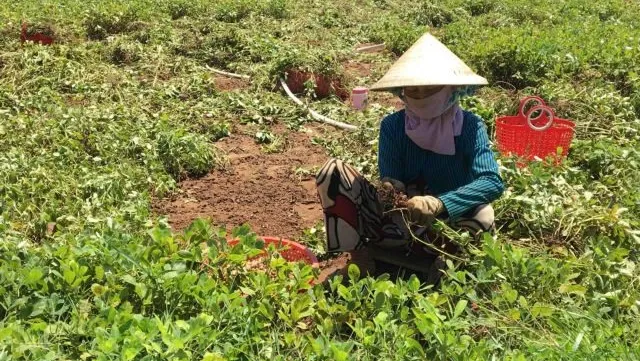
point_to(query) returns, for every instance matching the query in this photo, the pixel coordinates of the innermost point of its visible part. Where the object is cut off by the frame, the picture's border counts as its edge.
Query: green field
(109, 118)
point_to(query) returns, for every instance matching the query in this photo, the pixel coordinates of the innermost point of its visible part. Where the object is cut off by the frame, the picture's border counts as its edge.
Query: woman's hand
(393, 183)
(424, 209)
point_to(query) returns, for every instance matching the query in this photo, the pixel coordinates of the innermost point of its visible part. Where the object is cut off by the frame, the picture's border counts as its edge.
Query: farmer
(433, 151)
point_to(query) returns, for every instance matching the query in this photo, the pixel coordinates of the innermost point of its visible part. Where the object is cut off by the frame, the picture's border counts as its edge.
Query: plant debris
(391, 198)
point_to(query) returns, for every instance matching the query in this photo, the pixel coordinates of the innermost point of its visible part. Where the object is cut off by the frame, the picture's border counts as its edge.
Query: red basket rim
(285, 242)
(510, 120)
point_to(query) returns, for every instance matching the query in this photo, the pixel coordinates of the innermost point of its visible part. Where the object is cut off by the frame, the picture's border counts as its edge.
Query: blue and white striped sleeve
(487, 186)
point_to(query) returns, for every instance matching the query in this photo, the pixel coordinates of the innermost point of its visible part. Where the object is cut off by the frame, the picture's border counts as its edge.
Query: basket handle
(542, 109)
(527, 100)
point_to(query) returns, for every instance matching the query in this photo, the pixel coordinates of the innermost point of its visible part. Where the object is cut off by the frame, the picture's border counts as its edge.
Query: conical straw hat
(428, 62)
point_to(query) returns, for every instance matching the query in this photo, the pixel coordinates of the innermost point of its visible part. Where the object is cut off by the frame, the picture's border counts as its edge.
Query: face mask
(433, 122)
(431, 106)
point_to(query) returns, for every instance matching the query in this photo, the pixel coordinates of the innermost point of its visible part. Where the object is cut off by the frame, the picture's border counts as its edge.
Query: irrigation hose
(315, 115)
(232, 75)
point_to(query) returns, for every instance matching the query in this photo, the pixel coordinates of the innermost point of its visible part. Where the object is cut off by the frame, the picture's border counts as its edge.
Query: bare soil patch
(356, 69)
(225, 83)
(257, 188)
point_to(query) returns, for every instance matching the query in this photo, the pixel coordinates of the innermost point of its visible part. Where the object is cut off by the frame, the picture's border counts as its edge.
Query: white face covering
(432, 106)
(433, 122)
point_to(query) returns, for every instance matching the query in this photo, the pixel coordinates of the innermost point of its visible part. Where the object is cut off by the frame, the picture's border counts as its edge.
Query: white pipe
(315, 115)
(371, 48)
(233, 75)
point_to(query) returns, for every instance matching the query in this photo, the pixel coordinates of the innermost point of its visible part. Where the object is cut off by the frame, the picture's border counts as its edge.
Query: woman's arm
(487, 185)
(389, 157)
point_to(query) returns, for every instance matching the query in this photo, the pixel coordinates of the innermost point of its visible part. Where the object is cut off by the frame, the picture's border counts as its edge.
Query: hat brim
(389, 84)
(428, 63)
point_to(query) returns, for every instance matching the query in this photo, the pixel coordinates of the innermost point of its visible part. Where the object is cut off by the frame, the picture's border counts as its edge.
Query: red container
(295, 80)
(290, 250)
(528, 135)
(36, 38)
(324, 85)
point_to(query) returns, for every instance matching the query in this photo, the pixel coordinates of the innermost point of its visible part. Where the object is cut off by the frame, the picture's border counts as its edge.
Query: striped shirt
(462, 181)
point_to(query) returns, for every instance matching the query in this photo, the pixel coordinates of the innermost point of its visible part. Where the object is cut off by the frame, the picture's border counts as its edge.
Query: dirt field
(257, 188)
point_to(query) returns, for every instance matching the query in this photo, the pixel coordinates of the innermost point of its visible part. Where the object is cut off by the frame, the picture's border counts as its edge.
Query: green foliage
(232, 11)
(215, 130)
(382, 4)
(184, 154)
(307, 59)
(182, 8)
(278, 9)
(432, 14)
(604, 111)
(100, 24)
(125, 53)
(480, 7)
(330, 17)
(398, 36)
(263, 137)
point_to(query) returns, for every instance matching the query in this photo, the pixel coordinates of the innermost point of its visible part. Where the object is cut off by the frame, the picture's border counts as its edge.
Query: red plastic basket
(531, 136)
(290, 250)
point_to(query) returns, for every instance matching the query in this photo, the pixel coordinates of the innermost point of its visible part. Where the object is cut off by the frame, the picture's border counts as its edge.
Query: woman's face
(421, 92)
